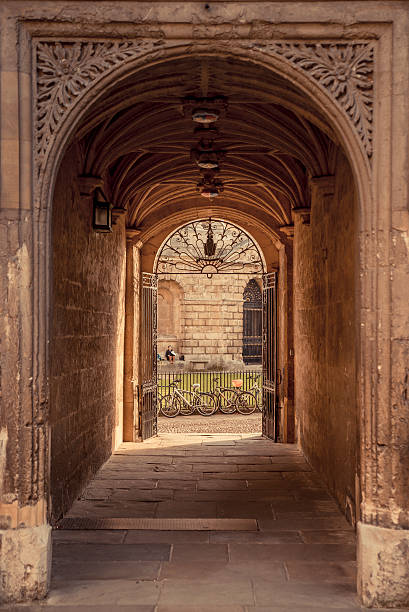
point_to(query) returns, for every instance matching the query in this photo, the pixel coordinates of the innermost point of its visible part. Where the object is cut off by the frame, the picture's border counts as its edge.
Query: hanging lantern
(209, 188)
(205, 115)
(102, 214)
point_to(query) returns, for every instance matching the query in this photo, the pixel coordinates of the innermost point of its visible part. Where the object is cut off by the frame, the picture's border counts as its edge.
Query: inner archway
(212, 261)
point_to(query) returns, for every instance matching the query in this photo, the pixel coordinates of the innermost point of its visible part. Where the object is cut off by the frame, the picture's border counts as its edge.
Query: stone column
(383, 531)
(25, 542)
(132, 316)
(286, 337)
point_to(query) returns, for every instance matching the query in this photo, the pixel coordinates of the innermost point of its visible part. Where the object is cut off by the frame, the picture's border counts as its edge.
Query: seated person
(170, 354)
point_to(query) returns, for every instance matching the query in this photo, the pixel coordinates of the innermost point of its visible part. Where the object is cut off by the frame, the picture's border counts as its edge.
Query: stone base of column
(383, 566)
(25, 562)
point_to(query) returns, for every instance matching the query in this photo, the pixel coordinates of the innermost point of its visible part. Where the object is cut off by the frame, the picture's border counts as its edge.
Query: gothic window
(252, 323)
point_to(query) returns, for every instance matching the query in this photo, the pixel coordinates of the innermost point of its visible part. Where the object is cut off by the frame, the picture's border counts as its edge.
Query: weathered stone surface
(86, 351)
(325, 334)
(25, 560)
(383, 568)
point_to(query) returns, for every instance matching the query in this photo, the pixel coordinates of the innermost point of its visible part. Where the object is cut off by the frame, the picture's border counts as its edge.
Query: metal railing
(207, 380)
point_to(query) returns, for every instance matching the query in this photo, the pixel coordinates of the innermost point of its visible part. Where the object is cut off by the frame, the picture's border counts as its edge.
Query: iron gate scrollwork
(270, 355)
(148, 424)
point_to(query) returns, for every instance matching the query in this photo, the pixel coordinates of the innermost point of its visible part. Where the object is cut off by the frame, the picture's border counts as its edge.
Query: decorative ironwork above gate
(209, 247)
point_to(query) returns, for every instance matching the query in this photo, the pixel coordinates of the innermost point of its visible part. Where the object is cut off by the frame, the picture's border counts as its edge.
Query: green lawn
(207, 380)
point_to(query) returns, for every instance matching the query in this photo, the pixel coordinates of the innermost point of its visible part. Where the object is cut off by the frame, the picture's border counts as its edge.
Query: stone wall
(86, 352)
(325, 334)
(204, 319)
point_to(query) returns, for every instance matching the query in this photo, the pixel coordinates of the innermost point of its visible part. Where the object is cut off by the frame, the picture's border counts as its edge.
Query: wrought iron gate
(252, 323)
(148, 425)
(270, 355)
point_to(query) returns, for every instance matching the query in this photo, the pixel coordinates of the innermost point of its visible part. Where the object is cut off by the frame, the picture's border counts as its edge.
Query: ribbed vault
(139, 140)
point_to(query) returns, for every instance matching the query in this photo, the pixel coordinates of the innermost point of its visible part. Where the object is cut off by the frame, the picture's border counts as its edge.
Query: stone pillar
(132, 316)
(286, 337)
(383, 531)
(25, 542)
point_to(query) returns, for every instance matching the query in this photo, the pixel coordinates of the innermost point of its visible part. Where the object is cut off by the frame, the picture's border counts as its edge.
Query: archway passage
(282, 178)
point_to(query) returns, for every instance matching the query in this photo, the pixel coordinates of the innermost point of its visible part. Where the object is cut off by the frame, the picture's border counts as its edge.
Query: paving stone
(88, 536)
(255, 537)
(291, 594)
(187, 510)
(275, 467)
(274, 483)
(134, 494)
(106, 592)
(126, 483)
(78, 608)
(301, 608)
(205, 608)
(307, 524)
(93, 553)
(288, 552)
(125, 459)
(178, 592)
(184, 485)
(328, 537)
(65, 569)
(220, 571)
(319, 572)
(220, 459)
(212, 467)
(244, 510)
(170, 537)
(270, 476)
(199, 552)
(222, 485)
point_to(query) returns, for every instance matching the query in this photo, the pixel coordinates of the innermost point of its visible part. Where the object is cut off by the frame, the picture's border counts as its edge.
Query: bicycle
(251, 399)
(182, 401)
(226, 397)
(160, 398)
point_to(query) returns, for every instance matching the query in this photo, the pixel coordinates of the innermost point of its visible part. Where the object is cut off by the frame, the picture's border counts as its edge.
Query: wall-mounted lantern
(102, 217)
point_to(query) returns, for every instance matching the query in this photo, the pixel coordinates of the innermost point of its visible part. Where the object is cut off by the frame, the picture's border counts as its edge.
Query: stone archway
(287, 58)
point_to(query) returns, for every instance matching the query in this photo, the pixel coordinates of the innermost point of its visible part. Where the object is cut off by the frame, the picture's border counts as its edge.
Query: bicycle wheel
(169, 407)
(205, 404)
(186, 407)
(227, 401)
(246, 402)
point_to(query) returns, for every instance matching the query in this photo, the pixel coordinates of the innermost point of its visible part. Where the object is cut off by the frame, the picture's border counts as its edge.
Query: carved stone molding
(344, 70)
(288, 230)
(66, 70)
(304, 214)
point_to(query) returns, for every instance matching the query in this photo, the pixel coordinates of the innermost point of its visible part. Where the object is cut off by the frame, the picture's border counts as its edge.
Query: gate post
(132, 318)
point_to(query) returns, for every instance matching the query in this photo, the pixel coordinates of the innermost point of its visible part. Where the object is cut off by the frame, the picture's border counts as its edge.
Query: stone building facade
(313, 139)
(202, 318)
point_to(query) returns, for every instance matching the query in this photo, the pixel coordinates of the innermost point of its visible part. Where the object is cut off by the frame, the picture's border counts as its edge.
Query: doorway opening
(196, 358)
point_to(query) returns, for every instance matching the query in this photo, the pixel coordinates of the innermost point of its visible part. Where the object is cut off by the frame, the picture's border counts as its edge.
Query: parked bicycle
(182, 401)
(161, 398)
(257, 394)
(226, 397)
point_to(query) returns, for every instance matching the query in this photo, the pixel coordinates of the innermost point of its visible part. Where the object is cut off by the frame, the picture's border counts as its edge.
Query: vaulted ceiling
(138, 138)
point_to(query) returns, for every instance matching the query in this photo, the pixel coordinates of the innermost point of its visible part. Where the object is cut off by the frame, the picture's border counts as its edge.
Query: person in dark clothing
(170, 354)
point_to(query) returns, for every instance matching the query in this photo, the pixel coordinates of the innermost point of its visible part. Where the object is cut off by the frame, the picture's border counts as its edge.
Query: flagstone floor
(301, 557)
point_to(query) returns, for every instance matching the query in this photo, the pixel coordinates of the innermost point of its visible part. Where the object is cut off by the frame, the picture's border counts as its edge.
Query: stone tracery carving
(345, 70)
(66, 70)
